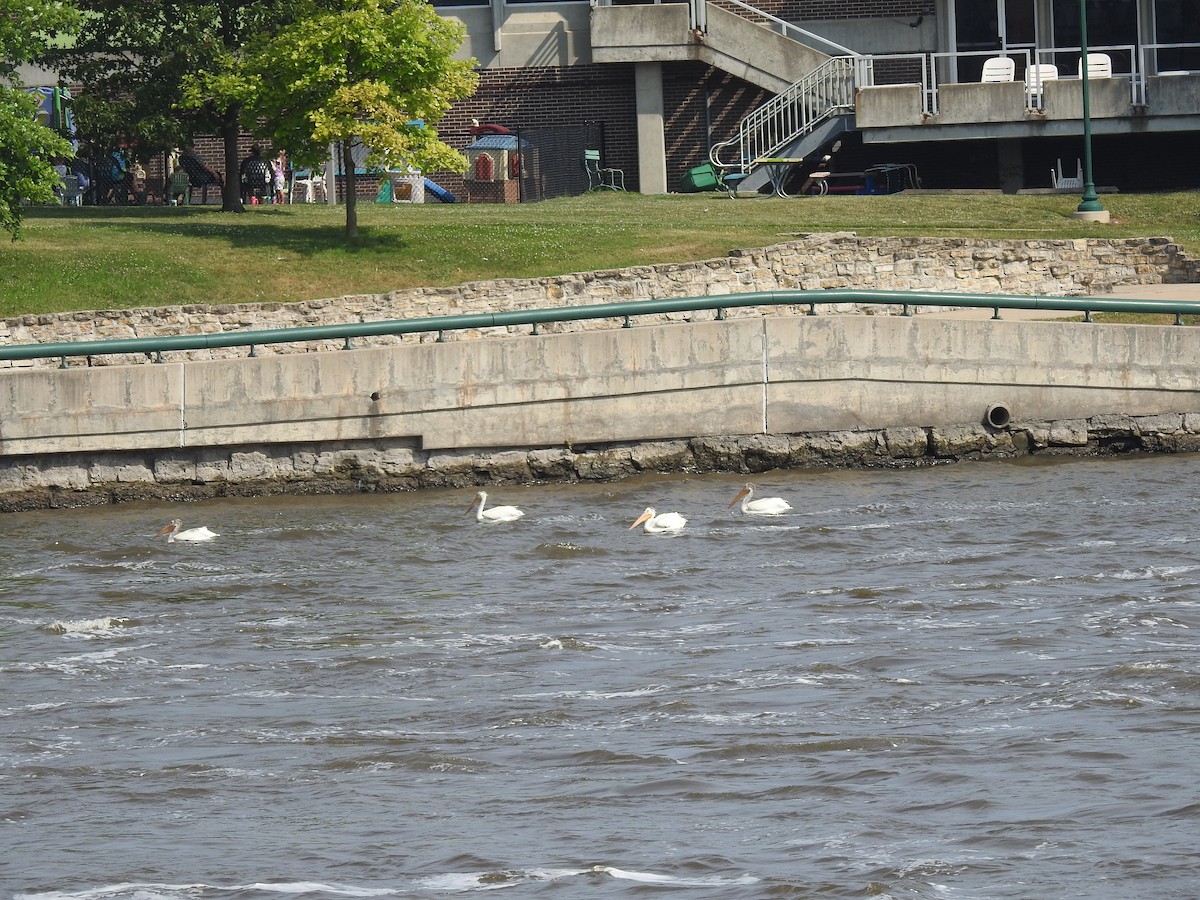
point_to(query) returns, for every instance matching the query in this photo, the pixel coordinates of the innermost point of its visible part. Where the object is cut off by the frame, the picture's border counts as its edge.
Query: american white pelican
(764, 506)
(173, 531)
(496, 513)
(667, 523)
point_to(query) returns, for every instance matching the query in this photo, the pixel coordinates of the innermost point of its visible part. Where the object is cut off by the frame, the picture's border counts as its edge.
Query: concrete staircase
(809, 115)
(668, 33)
(814, 91)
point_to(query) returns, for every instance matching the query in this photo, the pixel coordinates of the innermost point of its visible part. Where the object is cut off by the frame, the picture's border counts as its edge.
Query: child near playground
(279, 167)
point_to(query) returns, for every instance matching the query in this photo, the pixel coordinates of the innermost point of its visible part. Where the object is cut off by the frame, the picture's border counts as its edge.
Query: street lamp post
(1090, 207)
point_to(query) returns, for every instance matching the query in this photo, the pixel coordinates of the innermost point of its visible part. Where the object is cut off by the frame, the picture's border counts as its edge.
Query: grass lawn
(122, 257)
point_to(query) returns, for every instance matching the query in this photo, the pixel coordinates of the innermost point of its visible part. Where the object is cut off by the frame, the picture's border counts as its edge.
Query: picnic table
(779, 168)
(820, 183)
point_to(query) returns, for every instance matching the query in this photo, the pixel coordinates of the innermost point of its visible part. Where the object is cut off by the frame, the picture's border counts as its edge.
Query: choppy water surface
(976, 681)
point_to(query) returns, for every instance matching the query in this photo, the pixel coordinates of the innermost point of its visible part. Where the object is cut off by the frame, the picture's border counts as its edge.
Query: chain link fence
(552, 159)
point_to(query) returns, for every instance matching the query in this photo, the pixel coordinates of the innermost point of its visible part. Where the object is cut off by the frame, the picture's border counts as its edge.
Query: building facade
(663, 88)
(673, 82)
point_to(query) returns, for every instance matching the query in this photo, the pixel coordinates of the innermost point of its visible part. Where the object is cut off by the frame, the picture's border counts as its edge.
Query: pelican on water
(667, 523)
(764, 506)
(496, 513)
(173, 531)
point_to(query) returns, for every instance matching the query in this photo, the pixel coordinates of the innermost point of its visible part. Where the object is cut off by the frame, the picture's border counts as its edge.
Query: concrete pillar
(652, 144)
(1011, 166)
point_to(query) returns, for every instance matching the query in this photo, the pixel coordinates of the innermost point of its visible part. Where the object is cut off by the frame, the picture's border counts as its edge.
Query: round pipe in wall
(997, 416)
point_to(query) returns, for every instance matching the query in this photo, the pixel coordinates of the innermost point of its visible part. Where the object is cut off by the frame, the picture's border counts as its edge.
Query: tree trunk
(231, 193)
(351, 191)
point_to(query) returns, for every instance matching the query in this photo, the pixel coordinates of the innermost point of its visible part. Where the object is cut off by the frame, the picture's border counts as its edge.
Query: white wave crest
(87, 627)
(312, 887)
(488, 881)
(654, 878)
(135, 891)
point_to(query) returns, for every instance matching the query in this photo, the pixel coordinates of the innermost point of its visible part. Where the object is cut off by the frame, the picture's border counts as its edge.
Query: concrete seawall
(60, 481)
(592, 400)
(764, 392)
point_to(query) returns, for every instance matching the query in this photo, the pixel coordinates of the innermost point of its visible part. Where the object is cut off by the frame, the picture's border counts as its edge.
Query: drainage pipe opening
(997, 416)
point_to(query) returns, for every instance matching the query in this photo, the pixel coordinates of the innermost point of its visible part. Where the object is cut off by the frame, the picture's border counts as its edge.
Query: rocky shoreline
(65, 482)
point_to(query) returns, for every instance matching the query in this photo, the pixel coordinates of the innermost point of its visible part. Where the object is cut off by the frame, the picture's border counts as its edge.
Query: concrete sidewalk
(1127, 292)
(1156, 292)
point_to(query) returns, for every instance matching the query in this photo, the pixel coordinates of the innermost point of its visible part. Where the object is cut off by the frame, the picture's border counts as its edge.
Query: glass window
(1174, 25)
(1109, 22)
(978, 26)
(1019, 23)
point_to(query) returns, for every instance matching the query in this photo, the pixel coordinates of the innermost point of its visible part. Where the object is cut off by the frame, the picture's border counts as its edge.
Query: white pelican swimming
(667, 523)
(496, 513)
(764, 506)
(173, 531)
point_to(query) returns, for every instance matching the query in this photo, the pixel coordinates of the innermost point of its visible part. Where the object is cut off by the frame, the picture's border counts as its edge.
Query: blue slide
(440, 192)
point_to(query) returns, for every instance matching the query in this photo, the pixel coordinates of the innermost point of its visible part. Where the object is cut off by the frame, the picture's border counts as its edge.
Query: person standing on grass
(256, 177)
(279, 167)
(119, 183)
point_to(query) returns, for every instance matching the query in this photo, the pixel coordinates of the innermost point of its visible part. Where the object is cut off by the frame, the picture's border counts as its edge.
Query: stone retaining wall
(50, 482)
(810, 262)
(1069, 267)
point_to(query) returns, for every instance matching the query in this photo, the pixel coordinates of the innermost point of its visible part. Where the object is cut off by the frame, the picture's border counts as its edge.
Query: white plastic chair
(311, 181)
(1036, 76)
(1065, 182)
(997, 69)
(72, 191)
(1099, 65)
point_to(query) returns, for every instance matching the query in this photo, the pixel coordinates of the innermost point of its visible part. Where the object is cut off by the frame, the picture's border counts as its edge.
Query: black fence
(552, 159)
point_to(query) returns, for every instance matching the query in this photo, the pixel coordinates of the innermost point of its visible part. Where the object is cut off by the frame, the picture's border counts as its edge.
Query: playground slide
(440, 192)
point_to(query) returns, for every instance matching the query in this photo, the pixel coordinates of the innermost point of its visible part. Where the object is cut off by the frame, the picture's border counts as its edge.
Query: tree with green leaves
(132, 59)
(376, 73)
(27, 148)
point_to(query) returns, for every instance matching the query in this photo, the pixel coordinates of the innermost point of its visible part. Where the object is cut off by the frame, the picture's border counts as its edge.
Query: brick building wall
(519, 99)
(551, 96)
(703, 107)
(809, 10)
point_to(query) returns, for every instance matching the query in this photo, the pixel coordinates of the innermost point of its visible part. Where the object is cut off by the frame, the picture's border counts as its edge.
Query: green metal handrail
(626, 310)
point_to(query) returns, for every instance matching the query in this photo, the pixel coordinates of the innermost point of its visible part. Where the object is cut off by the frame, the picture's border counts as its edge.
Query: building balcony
(932, 105)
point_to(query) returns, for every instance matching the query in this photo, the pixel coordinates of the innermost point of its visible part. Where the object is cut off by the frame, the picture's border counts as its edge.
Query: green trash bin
(699, 178)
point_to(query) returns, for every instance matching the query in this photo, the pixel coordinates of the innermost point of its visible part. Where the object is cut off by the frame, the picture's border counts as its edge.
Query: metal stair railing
(823, 93)
(787, 29)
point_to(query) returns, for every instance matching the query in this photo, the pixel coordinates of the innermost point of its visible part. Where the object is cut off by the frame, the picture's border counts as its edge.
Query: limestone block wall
(63, 481)
(810, 262)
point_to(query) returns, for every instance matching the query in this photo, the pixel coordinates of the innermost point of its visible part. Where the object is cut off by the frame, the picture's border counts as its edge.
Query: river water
(973, 681)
